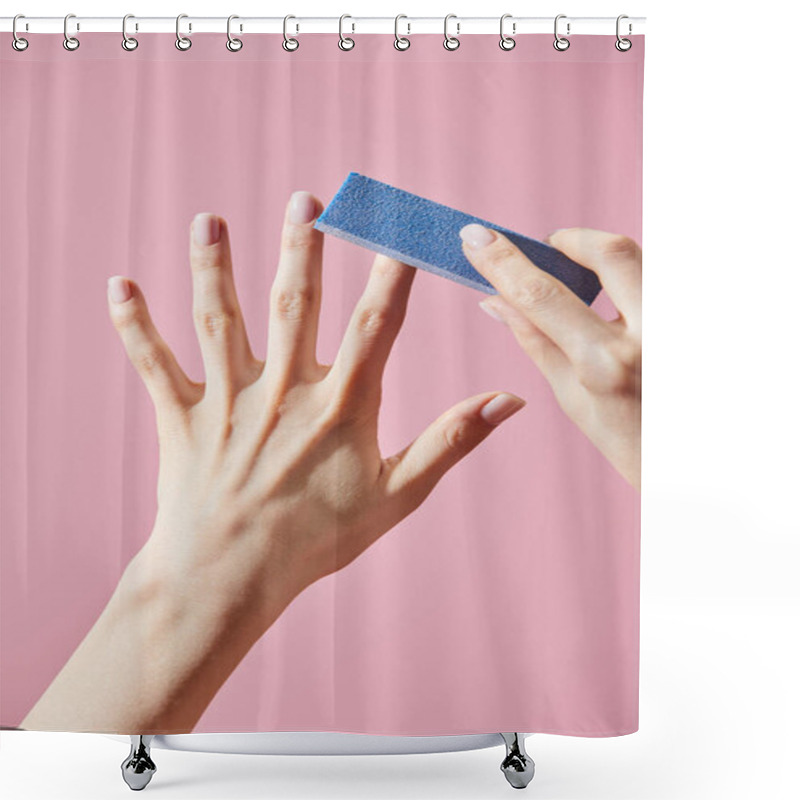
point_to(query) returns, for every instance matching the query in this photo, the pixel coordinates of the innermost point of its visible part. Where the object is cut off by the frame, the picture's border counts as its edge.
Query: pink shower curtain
(509, 599)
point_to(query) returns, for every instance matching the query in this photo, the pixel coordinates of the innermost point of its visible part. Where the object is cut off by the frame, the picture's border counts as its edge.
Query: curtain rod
(352, 24)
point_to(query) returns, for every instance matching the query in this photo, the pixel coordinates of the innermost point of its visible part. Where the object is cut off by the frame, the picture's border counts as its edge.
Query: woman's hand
(270, 474)
(270, 477)
(593, 365)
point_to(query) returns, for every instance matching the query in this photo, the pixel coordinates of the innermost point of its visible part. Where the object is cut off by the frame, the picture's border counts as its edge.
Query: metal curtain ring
(623, 45)
(560, 43)
(506, 42)
(182, 42)
(233, 44)
(128, 42)
(451, 42)
(345, 42)
(400, 42)
(17, 42)
(70, 42)
(290, 44)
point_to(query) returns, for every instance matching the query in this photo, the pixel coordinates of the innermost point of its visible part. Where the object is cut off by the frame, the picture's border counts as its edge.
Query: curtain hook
(506, 42)
(182, 42)
(70, 42)
(345, 42)
(400, 42)
(623, 45)
(17, 42)
(451, 42)
(128, 42)
(561, 43)
(233, 44)
(290, 44)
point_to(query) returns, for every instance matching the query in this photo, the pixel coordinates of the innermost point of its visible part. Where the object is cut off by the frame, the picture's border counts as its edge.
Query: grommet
(233, 44)
(561, 43)
(623, 45)
(290, 44)
(507, 42)
(70, 42)
(401, 42)
(17, 42)
(451, 42)
(345, 42)
(129, 43)
(182, 42)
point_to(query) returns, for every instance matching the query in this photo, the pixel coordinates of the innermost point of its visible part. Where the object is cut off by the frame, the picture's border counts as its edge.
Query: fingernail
(501, 407)
(477, 236)
(302, 208)
(206, 229)
(119, 290)
(487, 306)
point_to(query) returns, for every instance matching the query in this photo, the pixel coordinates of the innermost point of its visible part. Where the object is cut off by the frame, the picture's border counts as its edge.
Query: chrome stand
(138, 767)
(517, 766)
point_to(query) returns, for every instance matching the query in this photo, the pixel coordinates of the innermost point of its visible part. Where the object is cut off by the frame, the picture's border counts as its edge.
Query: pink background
(510, 600)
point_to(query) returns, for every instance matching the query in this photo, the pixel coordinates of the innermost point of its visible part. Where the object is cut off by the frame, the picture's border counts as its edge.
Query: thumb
(414, 471)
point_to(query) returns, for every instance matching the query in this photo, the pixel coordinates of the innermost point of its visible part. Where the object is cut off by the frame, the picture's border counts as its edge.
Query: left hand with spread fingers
(593, 365)
(270, 477)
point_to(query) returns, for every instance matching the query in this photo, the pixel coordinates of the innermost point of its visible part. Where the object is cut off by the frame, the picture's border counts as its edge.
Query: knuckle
(614, 369)
(292, 304)
(350, 402)
(206, 259)
(501, 250)
(386, 267)
(345, 409)
(172, 424)
(150, 360)
(214, 323)
(619, 248)
(629, 354)
(373, 319)
(535, 294)
(128, 316)
(296, 239)
(457, 434)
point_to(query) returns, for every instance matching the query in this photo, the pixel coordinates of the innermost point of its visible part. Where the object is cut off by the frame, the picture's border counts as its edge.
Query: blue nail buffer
(424, 234)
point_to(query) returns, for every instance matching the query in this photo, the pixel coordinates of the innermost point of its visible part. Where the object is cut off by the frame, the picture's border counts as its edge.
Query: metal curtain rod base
(138, 768)
(518, 767)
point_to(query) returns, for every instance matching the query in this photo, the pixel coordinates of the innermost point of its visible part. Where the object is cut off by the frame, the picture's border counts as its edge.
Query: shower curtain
(253, 478)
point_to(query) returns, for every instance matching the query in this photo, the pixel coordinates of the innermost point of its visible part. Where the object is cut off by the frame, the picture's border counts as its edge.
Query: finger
(616, 259)
(412, 473)
(217, 315)
(296, 292)
(166, 382)
(553, 308)
(547, 355)
(358, 367)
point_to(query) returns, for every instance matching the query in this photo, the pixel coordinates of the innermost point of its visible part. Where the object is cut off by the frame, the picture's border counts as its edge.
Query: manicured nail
(477, 236)
(302, 208)
(501, 407)
(206, 229)
(119, 290)
(487, 306)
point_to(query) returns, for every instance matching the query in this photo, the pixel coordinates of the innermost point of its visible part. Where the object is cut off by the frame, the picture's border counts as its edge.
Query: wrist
(184, 596)
(176, 645)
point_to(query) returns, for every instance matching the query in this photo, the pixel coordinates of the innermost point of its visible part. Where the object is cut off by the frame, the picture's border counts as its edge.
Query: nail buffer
(424, 234)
